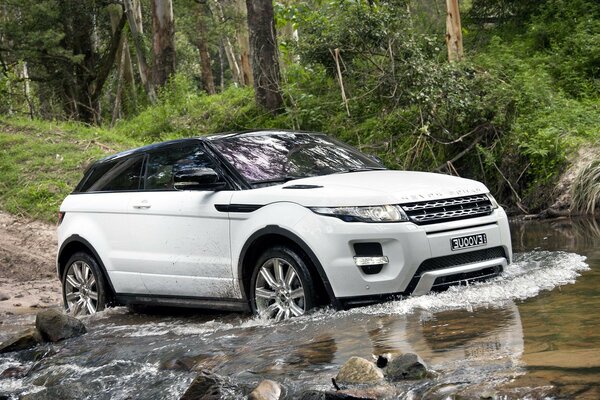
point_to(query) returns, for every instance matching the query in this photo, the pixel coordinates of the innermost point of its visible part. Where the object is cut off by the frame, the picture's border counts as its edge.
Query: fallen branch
(459, 155)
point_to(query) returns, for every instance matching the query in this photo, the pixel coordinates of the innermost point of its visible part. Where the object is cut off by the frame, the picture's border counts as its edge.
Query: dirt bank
(27, 265)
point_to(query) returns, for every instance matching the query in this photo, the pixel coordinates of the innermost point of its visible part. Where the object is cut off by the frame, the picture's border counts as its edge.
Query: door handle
(144, 205)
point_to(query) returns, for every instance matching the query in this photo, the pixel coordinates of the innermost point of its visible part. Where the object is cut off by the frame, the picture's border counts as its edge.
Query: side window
(162, 164)
(118, 175)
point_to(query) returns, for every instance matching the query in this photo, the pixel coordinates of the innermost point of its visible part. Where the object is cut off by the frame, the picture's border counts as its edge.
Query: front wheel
(84, 288)
(281, 285)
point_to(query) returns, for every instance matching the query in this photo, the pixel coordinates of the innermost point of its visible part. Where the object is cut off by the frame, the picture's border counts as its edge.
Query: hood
(363, 189)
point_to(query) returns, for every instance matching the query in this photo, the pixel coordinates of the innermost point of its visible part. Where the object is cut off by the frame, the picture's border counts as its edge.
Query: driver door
(180, 241)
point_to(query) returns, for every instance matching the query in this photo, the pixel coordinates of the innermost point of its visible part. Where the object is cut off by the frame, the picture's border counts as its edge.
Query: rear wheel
(281, 285)
(84, 287)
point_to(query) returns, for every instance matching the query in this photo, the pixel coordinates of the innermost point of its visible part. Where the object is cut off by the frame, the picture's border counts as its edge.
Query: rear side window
(119, 175)
(162, 164)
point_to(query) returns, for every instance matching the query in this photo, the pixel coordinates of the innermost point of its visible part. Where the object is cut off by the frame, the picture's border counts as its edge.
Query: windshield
(282, 156)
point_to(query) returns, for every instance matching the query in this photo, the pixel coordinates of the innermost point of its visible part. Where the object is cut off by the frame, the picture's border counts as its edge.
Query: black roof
(213, 137)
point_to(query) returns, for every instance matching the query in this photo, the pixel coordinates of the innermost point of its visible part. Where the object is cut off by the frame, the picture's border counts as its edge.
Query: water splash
(530, 274)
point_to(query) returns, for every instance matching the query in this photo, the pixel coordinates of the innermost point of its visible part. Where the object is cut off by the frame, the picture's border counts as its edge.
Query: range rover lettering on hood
(439, 194)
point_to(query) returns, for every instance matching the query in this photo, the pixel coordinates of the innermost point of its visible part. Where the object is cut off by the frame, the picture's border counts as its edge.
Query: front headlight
(493, 201)
(386, 213)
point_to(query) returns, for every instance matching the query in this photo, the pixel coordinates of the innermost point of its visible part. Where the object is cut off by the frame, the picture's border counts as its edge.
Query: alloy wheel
(278, 291)
(81, 289)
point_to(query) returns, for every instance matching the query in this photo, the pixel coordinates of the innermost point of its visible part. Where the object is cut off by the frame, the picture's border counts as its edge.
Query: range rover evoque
(273, 222)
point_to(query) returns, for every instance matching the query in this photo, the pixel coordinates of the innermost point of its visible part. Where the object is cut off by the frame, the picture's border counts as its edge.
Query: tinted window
(118, 175)
(283, 156)
(164, 163)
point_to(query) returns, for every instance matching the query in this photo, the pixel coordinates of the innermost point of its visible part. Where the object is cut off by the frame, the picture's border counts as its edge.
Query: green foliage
(41, 163)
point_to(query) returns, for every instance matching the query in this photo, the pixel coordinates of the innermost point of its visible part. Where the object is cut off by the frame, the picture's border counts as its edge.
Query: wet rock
(266, 390)
(22, 341)
(4, 296)
(14, 372)
(408, 366)
(55, 325)
(359, 370)
(179, 364)
(340, 395)
(206, 386)
(383, 360)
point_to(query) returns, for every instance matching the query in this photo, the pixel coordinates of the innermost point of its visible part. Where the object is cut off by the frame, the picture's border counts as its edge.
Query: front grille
(433, 264)
(434, 211)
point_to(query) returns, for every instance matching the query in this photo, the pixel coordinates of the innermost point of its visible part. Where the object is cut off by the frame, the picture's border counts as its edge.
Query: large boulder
(266, 390)
(54, 325)
(22, 341)
(206, 386)
(408, 366)
(359, 370)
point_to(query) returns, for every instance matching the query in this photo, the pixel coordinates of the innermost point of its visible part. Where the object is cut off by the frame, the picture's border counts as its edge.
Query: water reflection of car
(269, 221)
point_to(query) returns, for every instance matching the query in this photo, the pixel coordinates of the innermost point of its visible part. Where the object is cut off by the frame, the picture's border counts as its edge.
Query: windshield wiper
(280, 179)
(362, 169)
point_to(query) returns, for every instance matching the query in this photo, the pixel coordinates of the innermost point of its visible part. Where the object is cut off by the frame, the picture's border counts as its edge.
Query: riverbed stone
(408, 366)
(206, 386)
(179, 364)
(330, 395)
(22, 341)
(266, 390)
(4, 296)
(55, 325)
(359, 370)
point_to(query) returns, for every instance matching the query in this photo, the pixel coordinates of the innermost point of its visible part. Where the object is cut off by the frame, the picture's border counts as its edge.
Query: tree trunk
(163, 41)
(453, 31)
(136, 29)
(244, 43)
(234, 65)
(263, 52)
(208, 81)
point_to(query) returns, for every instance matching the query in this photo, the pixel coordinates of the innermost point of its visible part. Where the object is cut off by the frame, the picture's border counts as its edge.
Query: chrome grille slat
(430, 212)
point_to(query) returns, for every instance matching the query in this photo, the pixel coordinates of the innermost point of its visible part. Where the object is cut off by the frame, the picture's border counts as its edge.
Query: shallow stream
(532, 332)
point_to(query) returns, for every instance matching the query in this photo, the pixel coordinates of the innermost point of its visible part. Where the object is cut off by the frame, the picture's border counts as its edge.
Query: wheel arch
(273, 235)
(74, 244)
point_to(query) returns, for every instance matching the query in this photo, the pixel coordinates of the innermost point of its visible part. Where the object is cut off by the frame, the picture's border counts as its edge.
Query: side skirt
(186, 302)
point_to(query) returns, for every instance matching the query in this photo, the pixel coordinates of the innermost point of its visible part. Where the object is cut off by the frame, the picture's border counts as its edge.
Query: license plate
(464, 242)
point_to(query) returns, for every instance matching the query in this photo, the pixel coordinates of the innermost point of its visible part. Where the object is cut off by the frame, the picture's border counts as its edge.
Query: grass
(585, 191)
(41, 162)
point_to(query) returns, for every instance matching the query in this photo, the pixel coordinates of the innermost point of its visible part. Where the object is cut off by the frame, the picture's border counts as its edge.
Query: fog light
(364, 261)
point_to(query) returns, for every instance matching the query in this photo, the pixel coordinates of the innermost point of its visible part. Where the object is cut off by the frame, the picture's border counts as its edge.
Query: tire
(83, 285)
(281, 286)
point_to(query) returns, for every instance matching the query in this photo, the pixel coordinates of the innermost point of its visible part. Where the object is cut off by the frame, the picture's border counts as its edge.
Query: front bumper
(408, 248)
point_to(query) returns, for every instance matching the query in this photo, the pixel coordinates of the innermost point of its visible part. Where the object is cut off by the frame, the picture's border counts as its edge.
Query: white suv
(270, 221)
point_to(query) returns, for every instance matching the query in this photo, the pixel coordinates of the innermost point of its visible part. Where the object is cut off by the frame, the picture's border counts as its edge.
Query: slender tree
(163, 41)
(208, 81)
(453, 31)
(133, 13)
(263, 53)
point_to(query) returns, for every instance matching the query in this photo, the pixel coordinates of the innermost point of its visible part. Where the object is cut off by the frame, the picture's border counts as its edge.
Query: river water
(533, 332)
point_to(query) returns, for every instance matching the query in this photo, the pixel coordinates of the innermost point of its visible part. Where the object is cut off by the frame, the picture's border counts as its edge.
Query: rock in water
(206, 386)
(407, 366)
(22, 341)
(319, 395)
(359, 370)
(55, 325)
(266, 390)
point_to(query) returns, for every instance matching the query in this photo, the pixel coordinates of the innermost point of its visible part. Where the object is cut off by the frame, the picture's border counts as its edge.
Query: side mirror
(197, 179)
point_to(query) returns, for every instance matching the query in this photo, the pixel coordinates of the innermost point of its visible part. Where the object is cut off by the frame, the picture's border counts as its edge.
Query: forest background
(512, 102)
